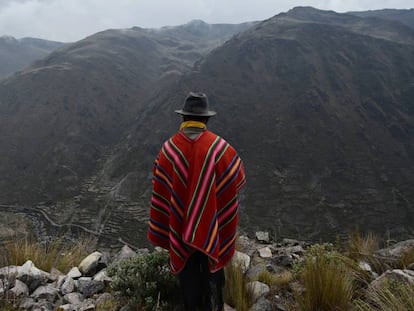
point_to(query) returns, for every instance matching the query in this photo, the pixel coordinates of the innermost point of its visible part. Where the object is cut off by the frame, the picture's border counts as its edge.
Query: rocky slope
(16, 54)
(403, 16)
(319, 105)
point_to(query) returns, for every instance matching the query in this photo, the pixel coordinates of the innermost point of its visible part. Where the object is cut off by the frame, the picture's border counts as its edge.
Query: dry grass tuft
(236, 292)
(327, 281)
(59, 254)
(390, 297)
(284, 279)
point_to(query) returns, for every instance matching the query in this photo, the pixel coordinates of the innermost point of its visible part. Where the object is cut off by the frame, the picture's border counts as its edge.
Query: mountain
(67, 111)
(319, 105)
(15, 54)
(403, 16)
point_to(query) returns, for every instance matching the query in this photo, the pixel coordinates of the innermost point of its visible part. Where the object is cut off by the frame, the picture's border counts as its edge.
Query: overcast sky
(71, 20)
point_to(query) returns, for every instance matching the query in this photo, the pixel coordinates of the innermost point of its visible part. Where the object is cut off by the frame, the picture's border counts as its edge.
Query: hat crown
(196, 104)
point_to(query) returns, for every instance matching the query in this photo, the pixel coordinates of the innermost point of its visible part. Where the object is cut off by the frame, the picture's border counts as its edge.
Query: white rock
(19, 289)
(399, 275)
(74, 273)
(102, 276)
(242, 259)
(89, 264)
(258, 288)
(265, 252)
(73, 298)
(263, 236)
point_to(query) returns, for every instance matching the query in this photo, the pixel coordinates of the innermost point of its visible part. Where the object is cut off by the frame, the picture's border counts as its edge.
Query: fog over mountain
(17, 54)
(319, 105)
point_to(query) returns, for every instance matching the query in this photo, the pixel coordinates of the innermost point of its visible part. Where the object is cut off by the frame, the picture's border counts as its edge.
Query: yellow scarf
(196, 124)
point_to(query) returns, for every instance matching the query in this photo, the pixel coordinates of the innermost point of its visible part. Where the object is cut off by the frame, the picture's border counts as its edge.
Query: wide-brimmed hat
(196, 104)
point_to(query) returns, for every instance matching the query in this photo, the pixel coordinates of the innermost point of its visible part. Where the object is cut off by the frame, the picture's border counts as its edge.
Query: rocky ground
(86, 286)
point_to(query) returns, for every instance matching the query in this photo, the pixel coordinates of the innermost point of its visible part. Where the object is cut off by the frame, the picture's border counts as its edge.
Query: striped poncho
(194, 203)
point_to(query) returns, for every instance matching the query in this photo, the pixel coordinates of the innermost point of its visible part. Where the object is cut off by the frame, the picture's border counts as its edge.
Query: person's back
(194, 206)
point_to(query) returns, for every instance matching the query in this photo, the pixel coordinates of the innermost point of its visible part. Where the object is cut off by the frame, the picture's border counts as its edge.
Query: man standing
(194, 205)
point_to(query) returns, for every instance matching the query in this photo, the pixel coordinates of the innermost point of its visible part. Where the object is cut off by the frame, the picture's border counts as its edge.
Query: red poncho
(194, 203)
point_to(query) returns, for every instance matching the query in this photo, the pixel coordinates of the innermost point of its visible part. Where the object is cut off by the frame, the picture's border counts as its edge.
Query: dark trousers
(202, 290)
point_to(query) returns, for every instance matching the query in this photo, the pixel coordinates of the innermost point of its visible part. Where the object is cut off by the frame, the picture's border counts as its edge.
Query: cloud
(70, 20)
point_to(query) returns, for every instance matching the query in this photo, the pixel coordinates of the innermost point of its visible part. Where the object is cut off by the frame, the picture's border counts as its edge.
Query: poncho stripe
(194, 204)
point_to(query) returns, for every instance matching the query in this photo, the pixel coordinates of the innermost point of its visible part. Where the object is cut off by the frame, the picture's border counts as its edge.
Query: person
(194, 205)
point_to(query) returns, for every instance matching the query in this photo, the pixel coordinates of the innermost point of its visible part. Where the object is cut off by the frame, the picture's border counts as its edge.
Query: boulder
(46, 292)
(102, 276)
(31, 275)
(89, 264)
(55, 274)
(26, 303)
(89, 287)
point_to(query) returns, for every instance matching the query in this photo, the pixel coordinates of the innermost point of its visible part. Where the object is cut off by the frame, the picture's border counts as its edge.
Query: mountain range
(16, 54)
(318, 104)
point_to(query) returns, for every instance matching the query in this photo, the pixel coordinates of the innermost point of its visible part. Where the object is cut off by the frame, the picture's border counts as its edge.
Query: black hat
(196, 104)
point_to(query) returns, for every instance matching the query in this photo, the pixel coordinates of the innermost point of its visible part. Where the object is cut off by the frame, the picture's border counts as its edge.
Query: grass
(236, 292)
(359, 247)
(327, 281)
(407, 258)
(266, 277)
(390, 296)
(58, 253)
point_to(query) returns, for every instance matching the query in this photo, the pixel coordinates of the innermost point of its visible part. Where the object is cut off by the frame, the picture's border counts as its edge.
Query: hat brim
(209, 113)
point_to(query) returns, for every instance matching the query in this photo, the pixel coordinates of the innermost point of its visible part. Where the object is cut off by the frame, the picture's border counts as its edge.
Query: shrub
(236, 292)
(327, 280)
(57, 253)
(146, 281)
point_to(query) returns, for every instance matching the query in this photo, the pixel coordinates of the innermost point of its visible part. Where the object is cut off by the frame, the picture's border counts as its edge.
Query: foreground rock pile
(85, 287)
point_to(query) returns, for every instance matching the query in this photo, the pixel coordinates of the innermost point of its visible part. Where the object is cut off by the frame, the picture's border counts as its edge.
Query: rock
(9, 273)
(406, 276)
(366, 267)
(74, 273)
(124, 254)
(89, 287)
(284, 260)
(258, 288)
(68, 286)
(90, 263)
(87, 305)
(48, 293)
(31, 275)
(102, 276)
(55, 274)
(27, 303)
(262, 305)
(73, 298)
(297, 249)
(263, 236)
(19, 289)
(67, 307)
(242, 259)
(228, 308)
(397, 250)
(43, 305)
(265, 252)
